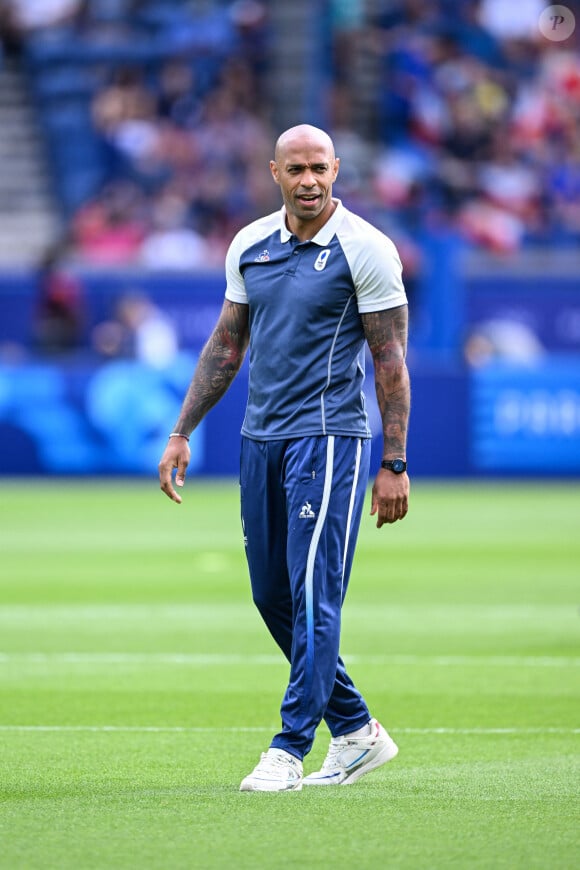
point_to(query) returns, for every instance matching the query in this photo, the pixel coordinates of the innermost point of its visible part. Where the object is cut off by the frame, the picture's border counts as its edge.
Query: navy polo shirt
(306, 336)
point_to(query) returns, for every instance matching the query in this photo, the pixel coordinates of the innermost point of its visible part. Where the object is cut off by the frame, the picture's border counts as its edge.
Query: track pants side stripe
(351, 508)
(309, 579)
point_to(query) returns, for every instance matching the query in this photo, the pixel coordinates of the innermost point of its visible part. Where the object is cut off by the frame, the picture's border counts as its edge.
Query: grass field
(138, 686)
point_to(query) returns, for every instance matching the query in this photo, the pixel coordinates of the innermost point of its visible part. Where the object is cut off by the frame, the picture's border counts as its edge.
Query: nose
(308, 179)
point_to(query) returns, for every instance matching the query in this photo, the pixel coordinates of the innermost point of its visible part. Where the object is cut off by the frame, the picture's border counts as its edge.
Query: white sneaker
(349, 758)
(276, 771)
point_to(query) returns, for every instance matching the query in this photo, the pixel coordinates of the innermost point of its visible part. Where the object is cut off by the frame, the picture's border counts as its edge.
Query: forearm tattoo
(218, 364)
(386, 334)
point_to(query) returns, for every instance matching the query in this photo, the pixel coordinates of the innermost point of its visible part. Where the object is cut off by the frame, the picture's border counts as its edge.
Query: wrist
(178, 435)
(397, 466)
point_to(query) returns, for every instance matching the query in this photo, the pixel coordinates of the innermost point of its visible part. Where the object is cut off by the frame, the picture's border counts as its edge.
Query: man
(306, 287)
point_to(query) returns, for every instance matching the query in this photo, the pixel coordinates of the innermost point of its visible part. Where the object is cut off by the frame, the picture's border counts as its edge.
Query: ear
(274, 171)
(336, 167)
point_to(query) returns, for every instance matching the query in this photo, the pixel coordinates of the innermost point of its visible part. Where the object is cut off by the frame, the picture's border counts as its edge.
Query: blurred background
(134, 142)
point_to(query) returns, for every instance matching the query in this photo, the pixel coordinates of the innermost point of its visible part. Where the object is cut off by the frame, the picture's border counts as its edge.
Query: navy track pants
(301, 503)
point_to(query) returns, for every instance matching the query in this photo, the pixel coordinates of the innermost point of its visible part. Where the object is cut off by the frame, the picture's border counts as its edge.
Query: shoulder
(246, 239)
(254, 233)
(374, 264)
(357, 234)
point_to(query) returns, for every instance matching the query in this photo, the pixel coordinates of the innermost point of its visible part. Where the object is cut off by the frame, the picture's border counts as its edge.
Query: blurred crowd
(183, 137)
(474, 128)
(185, 173)
(478, 121)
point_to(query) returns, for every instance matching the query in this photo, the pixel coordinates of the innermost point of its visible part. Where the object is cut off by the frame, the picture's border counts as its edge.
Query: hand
(176, 455)
(390, 497)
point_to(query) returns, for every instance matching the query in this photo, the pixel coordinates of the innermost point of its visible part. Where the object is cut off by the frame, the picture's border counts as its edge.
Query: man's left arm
(386, 334)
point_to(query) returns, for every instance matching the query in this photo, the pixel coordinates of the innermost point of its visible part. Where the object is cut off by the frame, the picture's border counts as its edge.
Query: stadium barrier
(77, 414)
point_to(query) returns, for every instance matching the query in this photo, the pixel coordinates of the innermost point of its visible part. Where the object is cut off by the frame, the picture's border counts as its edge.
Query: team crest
(263, 257)
(321, 259)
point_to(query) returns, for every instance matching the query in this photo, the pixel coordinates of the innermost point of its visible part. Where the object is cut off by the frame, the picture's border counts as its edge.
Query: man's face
(305, 170)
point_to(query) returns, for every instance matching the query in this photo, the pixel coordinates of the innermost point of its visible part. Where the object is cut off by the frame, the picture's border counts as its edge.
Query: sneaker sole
(387, 753)
(275, 790)
(321, 781)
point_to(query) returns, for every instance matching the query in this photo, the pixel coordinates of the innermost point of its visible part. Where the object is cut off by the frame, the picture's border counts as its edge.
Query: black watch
(397, 466)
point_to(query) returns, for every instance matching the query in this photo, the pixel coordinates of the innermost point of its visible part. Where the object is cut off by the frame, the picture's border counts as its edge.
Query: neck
(306, 230)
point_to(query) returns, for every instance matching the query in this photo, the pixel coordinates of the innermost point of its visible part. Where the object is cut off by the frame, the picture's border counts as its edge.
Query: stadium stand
(26, 201)
(142, 133)
(444, 114)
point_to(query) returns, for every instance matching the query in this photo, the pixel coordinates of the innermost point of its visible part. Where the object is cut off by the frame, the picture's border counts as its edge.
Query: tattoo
(217, 366)
(386, 334)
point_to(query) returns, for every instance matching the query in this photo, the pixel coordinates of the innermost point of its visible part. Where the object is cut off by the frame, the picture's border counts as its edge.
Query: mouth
(308, 199)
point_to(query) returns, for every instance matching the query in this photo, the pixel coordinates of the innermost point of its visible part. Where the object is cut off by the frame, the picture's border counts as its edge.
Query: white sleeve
(235, 287)
(376, 270)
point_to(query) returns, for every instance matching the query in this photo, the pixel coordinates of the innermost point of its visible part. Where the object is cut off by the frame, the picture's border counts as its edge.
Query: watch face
(398, 466)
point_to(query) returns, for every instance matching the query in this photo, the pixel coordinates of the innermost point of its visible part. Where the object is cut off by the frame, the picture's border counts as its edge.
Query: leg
(325, 479)
(264, 523)
(346, 710)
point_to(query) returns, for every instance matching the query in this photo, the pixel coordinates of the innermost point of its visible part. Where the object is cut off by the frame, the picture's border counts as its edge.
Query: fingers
(180, 473)
(391, 504)
(166, 484)
(391, 511)
(175, 456)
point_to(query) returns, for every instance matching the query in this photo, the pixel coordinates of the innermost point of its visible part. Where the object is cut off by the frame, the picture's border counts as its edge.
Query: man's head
(305, 167)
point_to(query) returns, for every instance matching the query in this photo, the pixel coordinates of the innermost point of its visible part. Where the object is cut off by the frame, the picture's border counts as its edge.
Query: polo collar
(325, 234)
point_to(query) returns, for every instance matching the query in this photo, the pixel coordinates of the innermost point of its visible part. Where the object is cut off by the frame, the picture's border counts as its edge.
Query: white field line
(161, 729)
(455, 617)
(218, 660)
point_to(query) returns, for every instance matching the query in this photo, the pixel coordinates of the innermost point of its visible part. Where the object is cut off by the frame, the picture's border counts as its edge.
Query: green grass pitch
(138, 686)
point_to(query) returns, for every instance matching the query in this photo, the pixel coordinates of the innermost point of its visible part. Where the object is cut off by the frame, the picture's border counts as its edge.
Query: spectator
(520, 23)
(60, 316)
(140, 330)
(178, 99)
(173, 244)
(110, 229)
(125, 117)
(23, 18)
(505, 340)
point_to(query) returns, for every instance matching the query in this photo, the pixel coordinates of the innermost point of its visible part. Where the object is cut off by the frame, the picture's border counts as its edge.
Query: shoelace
(274, 762)
(336, 745)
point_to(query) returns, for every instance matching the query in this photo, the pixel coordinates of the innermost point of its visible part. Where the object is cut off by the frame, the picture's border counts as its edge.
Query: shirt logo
(321, 259)
(306, 512)
(263, 257)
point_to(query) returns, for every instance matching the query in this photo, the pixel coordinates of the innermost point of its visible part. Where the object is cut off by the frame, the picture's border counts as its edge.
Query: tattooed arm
(217, 366)
(386, 334)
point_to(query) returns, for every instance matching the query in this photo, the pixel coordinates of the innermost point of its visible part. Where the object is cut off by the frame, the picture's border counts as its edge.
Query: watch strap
(397, 466)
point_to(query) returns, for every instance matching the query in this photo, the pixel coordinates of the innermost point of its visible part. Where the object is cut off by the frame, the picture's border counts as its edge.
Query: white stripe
(202, 611)
(350, 510)
(177, 729)
(149, 659)
(484, 731)
(312, 550)
(139, 729)
(329, 369)
(322, 512)
(218, 660)
(468, 661)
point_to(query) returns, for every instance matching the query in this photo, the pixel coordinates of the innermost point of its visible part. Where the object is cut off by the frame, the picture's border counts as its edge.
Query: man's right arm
(217, 366)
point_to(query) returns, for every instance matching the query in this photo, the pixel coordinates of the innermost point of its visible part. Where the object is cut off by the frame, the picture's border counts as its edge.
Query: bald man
(307, 288)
